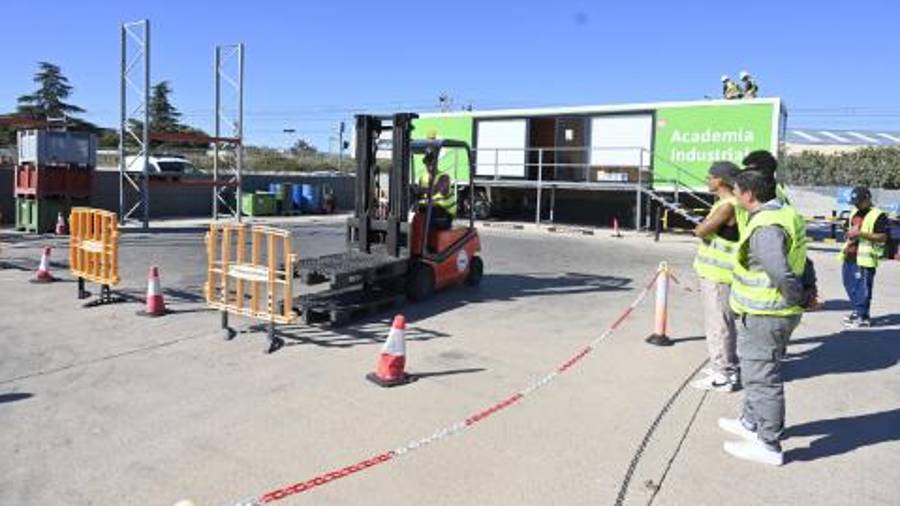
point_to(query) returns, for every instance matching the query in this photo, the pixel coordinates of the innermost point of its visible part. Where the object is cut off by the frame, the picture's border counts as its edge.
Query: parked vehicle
(171, 165)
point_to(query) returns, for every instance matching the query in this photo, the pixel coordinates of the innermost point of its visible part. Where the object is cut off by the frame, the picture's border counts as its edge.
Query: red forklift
(394, 250)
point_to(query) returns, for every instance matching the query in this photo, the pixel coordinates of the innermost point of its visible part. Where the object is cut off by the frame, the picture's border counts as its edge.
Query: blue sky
(310, 64)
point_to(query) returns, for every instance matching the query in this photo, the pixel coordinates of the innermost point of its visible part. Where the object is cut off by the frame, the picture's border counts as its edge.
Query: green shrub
(873, 167)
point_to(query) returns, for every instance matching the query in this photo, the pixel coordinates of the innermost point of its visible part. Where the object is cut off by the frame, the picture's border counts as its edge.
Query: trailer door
(501, 148)
(621, 141)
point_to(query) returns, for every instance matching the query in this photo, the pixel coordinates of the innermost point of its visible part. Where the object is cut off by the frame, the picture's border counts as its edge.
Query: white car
(164, 165)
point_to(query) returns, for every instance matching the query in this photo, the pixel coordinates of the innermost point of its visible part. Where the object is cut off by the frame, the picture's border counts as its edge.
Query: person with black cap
(714, 264)
(867, 236)
(763, 161)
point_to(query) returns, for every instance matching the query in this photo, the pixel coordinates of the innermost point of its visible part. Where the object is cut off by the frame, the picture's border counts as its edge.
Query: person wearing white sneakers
(714, 263)
(771, 283)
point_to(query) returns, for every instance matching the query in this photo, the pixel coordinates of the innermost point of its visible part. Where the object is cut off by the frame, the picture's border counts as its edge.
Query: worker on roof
(714, 264)
(730, 89)
(751, 89)
(867, 234)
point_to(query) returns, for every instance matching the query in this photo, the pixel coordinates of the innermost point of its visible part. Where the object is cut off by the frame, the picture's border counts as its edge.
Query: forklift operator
(443, 197)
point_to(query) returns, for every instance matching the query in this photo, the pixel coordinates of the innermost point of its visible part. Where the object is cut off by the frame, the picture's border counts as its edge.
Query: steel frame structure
(134, 35)
(228, 79)
(135, 78)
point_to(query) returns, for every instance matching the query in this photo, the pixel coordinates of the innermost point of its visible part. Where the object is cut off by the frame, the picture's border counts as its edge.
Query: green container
(282, 192)
(38, 216)
(258, 204)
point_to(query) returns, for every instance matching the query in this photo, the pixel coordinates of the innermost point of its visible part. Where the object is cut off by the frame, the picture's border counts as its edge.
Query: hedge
(873, 167)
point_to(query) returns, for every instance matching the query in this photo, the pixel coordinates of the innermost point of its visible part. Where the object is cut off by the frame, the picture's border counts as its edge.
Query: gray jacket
(768, 252)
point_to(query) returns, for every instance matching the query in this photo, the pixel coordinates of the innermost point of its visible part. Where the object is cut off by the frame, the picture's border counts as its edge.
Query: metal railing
(612, 167)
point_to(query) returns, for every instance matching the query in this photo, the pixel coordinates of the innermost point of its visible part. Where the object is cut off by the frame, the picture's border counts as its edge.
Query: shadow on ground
(843, 435)
(13, 397)
(835, 305)
(850, 351)
(494, 287)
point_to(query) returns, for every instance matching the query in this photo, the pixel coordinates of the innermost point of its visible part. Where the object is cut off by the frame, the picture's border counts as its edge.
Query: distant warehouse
(587, 163)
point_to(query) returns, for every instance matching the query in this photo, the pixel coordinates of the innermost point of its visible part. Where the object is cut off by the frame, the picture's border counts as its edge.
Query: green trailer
(658, 147)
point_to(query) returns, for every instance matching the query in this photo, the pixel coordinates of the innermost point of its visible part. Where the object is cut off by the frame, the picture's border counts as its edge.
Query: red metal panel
(53, 181)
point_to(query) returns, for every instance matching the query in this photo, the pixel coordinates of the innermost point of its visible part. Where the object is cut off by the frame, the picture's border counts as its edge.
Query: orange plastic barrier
(94, 245)
(250, 271)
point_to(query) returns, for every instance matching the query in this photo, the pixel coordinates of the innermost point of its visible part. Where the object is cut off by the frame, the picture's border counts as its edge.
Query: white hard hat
(724, 77)
(745, 74)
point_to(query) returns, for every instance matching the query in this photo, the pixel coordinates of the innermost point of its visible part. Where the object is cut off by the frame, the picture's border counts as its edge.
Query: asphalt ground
(99, 406)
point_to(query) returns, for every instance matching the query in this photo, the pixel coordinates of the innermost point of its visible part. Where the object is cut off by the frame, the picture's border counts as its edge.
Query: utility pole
(341, 145)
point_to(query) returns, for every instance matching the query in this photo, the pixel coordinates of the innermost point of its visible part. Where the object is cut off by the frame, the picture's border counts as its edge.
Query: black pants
(440, 218)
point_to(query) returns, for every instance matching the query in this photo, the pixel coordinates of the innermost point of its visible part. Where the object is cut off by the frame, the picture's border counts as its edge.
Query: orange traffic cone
(616, 232)
(61, 228)
(390, 370)
(156, 305)
(43, 273)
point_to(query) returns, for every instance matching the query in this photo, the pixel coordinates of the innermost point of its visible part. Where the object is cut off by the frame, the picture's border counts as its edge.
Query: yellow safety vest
(447, 202)
(868, 252)
(715, 257)
(752, 291)
(732, 90)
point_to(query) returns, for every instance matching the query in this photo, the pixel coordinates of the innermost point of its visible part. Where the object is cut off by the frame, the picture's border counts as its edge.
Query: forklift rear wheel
(420, 283)
(476, 271)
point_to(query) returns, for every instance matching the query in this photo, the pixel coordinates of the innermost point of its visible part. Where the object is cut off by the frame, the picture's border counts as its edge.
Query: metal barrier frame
(226, 248)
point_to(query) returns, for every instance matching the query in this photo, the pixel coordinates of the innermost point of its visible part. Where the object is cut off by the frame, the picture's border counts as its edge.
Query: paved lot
(99, 406)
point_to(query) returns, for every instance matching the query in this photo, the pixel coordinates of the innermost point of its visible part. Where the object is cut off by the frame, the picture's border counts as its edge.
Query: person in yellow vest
(867, 236)
(770, 288)
(713, 264)
(730, 89)
(443, 195)
(751, 89)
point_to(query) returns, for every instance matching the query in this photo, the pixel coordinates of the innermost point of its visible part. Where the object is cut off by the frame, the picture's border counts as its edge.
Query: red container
(79, 183)
(53, 181)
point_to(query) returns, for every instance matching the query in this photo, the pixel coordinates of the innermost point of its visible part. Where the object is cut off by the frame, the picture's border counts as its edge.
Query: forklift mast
(366, 230)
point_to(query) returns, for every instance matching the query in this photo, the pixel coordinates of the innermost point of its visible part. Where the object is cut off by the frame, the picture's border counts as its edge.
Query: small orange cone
(616, 232)
(156, 305)
(61, 228)
(392, 361)
(43, 273)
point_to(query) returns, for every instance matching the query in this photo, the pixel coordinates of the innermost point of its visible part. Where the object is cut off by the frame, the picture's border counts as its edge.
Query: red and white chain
(446, 432)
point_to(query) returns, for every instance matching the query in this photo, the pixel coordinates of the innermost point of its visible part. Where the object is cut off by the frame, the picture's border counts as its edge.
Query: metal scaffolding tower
(228, 151)
(134, 121)
(135, 134)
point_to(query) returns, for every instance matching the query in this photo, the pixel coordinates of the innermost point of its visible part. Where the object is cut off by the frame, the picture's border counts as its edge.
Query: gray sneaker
(716, 382)
(736, 426)
(850, 319)
(859, 324)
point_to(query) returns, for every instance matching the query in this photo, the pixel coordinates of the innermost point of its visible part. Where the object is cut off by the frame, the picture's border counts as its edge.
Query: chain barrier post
(659, 337)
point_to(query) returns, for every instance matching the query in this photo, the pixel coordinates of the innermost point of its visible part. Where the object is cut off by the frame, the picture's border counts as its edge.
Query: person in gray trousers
(773, 282)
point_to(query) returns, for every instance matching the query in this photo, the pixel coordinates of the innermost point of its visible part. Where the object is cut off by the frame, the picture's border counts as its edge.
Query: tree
(49, 99)
(164, 117)
(302, 146)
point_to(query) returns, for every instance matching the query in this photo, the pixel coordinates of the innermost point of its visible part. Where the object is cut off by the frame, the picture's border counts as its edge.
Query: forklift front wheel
(420, 283)
(476, 271)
